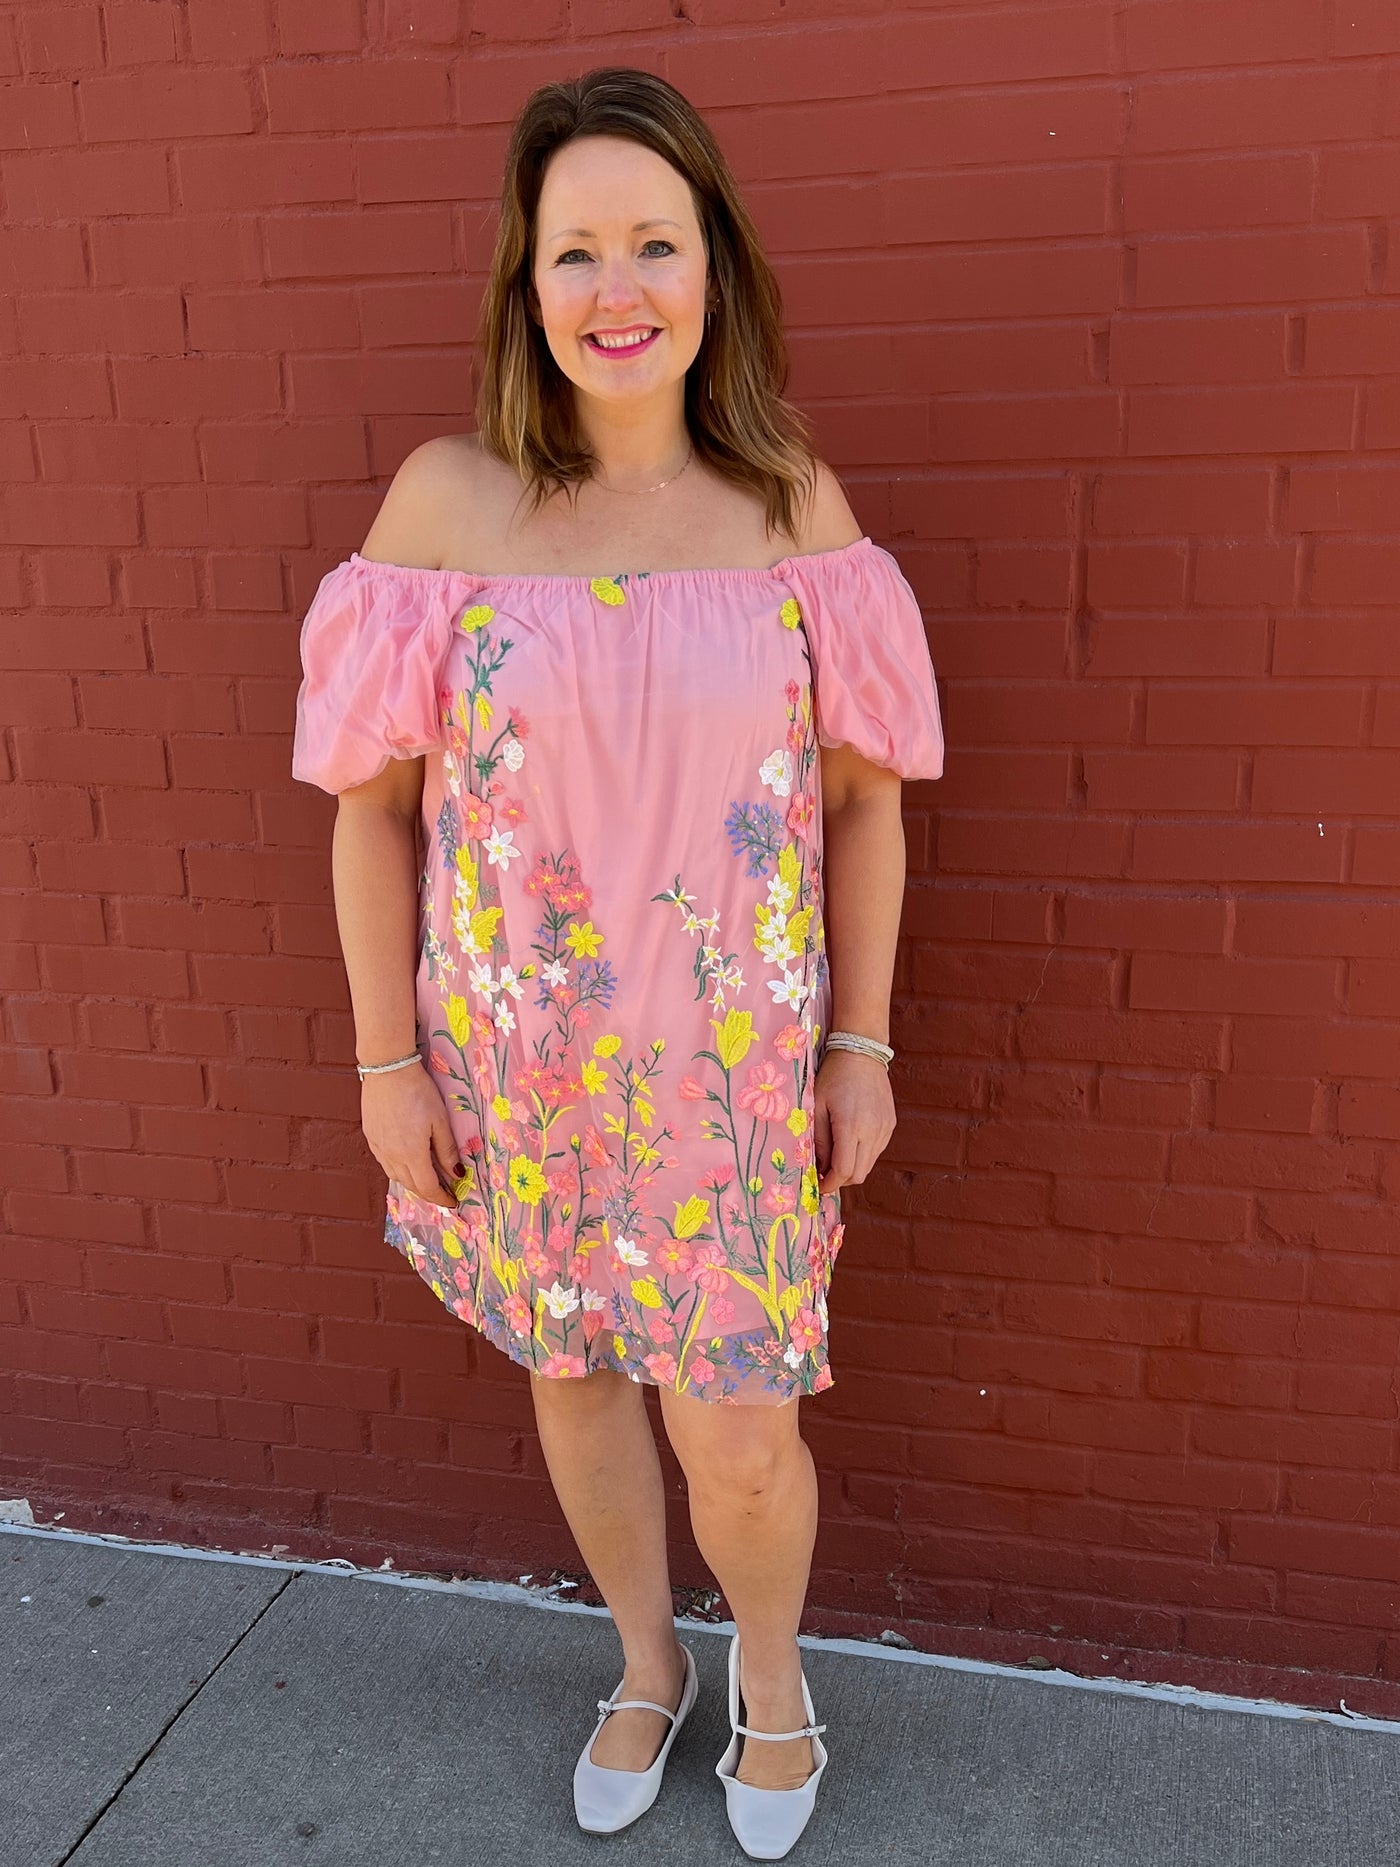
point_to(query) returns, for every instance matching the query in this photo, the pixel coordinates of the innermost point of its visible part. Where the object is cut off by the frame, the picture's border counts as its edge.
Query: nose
(618, 288)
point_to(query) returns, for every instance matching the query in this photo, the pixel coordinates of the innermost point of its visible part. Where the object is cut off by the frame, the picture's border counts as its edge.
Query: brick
(1255, 110)
(1368, 646)
(1360, 929)
(1349, 573)
(1171, 982)
(1172, 196)
(1166, 33)
(1266, 1104)
(1292, 418)
(1230, 646)
(1345, 499)
(1365, 27)
(1360, 183)
(1142, 780)
(1245, 575)
(1247, 347)
(1236, 852)
(1145, 920)
(1183, 499)
(1320, 783)
(1254, 268)
(969, 206)
(1136, 576)
(1017, 428)
(1241, 713)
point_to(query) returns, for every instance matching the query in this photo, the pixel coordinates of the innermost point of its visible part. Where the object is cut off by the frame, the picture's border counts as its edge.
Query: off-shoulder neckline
(742, 572)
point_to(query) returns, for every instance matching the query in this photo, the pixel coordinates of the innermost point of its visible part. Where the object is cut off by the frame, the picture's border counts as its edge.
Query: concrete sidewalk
(165, 1711)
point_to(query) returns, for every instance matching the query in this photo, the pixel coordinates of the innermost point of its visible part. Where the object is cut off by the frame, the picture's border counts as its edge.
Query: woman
(626, 658)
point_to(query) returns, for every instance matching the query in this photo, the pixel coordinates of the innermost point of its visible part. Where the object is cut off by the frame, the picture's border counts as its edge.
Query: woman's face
(619, 254)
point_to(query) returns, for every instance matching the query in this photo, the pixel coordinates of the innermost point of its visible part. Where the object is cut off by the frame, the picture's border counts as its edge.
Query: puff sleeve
(373, 644)
(873, 675)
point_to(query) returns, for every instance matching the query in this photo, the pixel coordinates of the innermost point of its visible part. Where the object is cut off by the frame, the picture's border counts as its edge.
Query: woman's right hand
(405, 1122)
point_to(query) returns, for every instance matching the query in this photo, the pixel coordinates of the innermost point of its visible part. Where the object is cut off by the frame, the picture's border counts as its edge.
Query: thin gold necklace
(659, 484)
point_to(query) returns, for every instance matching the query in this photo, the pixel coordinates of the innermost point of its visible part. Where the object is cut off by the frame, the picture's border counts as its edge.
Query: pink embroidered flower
(592, 1323)
(663, 1329)
(517, 1313)
(476, 816)
(824, 1378)
(663, 1368)
(712, 1272)
(780, 1197)
(762, 1094)
(594, 1148)
(792, 693)
(722, 1312)
(796, 734)
(563, 1367)
(805, 1328)
(702, 1370)
(518, 724)
(834, 1238)
(717, 1179)
(800, 810)
(672, 1255)
(791, 1041)
(535, 1258)
(512, 811)
(691, 1091)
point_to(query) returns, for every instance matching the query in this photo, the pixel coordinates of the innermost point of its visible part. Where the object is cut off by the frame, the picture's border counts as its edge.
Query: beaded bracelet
(864, 1046)
(378, 1069)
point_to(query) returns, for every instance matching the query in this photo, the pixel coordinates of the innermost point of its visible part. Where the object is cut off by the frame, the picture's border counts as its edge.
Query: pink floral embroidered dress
(623, 987)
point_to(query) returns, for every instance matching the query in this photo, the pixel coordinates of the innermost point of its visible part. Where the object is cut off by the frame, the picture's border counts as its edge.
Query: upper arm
(407, 530)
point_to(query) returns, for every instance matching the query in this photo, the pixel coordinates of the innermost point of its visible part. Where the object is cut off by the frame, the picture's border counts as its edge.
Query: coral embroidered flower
(663, 1368)
(476, 815)
(689, 1090)
(517, 1313)
(805, 1329)
(560, 1366)
(799, 814)
(762, 1094)
(791, 1041)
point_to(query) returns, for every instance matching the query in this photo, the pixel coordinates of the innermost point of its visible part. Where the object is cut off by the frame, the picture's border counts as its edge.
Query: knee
(748, 1474)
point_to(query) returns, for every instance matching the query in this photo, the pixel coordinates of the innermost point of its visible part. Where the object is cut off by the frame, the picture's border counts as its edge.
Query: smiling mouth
(624, 346)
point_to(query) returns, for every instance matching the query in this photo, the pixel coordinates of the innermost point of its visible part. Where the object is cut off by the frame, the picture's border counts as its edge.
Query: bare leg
(753, 1507)
(601, 1454)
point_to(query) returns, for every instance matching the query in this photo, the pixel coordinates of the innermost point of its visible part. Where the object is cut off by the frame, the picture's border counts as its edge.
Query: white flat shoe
(606, 1800)
(767, 1822)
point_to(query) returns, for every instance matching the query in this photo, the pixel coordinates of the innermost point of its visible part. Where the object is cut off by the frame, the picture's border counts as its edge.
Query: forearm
(864, 869)
(374, 871)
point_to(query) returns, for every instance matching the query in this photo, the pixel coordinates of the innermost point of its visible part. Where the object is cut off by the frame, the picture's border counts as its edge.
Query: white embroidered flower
(513, 754)
(789, 990)
(505, 1018)
(500, 848)
(509, 983)
(780, 894)
(556, 972)
(593, 1299)
(480, 980)
(733, 976)
(792, 1355)
(561, 1302)
(776, 772)
(628, 1252)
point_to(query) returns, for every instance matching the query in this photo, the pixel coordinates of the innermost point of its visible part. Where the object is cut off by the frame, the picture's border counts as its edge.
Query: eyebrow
(588, 234)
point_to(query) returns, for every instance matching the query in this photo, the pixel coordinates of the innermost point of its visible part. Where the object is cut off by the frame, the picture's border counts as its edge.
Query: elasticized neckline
(578, 580)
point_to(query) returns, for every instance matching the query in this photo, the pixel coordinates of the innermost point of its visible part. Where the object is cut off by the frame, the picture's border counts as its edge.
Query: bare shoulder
(434, 486)
(827, 522)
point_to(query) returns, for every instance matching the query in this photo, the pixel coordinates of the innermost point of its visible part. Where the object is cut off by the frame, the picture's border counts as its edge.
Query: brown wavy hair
(737, 417)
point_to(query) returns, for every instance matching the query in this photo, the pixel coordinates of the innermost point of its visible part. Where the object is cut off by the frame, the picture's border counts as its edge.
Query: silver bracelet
(864, 1046)
(378, 1069)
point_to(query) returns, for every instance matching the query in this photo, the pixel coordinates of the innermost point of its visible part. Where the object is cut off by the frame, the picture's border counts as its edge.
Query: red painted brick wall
(1098, 307)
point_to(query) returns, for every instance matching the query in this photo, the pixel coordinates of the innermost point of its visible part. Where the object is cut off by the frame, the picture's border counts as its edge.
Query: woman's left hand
(855, 1117)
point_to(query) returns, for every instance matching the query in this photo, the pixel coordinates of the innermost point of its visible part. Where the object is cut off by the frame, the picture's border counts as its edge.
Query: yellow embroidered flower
(735, 1036)
(459, 1019)
(608, 590)
(778, 1158)
(594, 1079)
(451, 1243)
(608, 1045)
(790, 615)
(619, 1348)
(811, 1194)
(584, 940)
(483, 712)
(691, 1216)
(500, 1107)
(476, 617)
(466, 1185)
(797, 1122)
(526, 1181)
(756, 1184)
(645, 1291)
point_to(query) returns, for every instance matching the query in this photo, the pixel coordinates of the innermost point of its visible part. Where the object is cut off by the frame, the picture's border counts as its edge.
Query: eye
(569, 255)
(659, 242)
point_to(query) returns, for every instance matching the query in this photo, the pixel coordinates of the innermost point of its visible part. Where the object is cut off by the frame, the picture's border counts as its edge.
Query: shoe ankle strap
(606, 1705)
(777, 1737)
